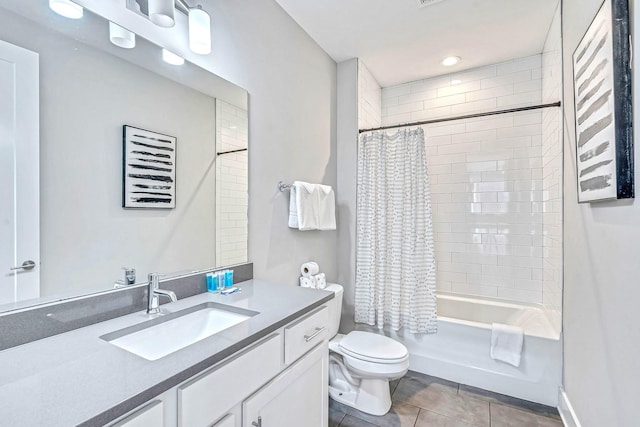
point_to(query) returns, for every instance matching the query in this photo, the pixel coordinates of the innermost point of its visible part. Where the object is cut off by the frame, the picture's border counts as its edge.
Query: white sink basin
(164, 335)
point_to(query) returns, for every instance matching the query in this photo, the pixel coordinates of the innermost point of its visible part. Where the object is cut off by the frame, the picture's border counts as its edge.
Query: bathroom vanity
(268, 369)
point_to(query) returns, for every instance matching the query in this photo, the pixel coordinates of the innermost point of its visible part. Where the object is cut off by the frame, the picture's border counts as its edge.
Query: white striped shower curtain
(396, 267)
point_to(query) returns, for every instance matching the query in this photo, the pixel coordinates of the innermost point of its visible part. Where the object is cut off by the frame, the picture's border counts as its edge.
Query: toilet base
(371, 396)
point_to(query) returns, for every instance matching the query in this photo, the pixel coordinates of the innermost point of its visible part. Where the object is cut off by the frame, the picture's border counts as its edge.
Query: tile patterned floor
(423, 401)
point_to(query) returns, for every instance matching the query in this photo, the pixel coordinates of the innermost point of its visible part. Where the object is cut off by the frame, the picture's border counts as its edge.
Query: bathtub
(460, 350)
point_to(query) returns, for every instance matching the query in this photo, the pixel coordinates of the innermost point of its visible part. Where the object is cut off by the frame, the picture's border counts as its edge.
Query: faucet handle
(154, 279)
(129, 275)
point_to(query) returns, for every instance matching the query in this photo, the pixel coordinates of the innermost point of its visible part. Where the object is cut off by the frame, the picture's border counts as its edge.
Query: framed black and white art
(603, 106)
(149, 169)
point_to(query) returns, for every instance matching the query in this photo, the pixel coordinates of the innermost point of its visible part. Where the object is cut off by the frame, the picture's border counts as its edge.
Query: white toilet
(361, 364)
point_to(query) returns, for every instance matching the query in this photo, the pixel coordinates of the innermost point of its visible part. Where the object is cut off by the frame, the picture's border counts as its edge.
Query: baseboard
(566, 411)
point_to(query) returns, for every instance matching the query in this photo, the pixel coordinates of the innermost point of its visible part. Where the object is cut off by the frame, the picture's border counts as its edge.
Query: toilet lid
(368, 346)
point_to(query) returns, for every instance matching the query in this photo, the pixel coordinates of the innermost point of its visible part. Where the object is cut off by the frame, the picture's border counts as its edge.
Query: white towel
(293, 207)
(312, 207)
(506, 343)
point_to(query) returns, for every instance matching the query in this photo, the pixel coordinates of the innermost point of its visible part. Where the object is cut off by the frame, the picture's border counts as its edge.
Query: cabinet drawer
(209, 396)
(305, 333)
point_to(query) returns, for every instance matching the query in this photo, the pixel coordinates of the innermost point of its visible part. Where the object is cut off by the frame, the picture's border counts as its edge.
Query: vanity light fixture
(171, 58)
(66, 8)
(451, 60)
(121, 37)
(199, 31)
(162, 13)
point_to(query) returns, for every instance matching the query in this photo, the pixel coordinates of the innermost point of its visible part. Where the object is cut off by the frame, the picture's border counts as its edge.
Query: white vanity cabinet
(297, 397)
(279, 381)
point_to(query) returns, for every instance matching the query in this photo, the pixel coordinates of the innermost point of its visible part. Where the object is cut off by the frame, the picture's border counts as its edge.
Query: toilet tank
(335, 308)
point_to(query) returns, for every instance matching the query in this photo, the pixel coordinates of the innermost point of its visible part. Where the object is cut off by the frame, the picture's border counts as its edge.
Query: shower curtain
(396, 268)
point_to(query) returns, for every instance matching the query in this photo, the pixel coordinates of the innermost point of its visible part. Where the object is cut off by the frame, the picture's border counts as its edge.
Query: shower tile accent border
(42, 321)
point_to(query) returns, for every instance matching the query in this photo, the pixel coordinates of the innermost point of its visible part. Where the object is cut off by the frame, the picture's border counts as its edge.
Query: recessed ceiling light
(171, 58)
(66, 8)
(451, 60)
(456, 82)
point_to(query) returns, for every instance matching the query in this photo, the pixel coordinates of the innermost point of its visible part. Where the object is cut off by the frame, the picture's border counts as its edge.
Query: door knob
(27, 265)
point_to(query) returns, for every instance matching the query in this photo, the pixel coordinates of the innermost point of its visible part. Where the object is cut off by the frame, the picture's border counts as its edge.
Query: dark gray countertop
(76, 378)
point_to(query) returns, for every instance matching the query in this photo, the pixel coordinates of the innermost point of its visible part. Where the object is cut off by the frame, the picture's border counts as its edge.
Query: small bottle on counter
(228, 278)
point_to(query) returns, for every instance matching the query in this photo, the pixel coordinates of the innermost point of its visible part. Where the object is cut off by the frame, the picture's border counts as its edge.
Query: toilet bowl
(361, 364)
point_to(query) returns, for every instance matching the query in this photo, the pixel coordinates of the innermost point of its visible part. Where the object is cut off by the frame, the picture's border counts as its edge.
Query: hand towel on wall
(293, 207)
(506, 343)
(311, 207)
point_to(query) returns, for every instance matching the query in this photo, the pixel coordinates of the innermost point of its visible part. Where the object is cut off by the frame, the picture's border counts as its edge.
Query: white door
(19, 174)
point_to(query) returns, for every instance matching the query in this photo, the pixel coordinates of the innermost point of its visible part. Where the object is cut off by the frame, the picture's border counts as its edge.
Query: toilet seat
(370, 347)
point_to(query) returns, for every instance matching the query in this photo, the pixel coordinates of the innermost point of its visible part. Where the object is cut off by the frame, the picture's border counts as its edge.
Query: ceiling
(400, 42)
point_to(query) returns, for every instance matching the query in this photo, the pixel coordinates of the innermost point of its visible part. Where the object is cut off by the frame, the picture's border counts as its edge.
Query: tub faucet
(154, 292)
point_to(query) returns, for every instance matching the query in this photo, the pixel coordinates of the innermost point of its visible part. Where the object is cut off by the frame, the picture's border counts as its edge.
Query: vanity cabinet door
(297, 397)
(209, 396)
(150, 415)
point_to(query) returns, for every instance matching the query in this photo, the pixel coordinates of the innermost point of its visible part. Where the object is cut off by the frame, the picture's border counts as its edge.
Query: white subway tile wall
(501, 86)
(369, 99)
(231, 184)
(486, 176)
(552, 135)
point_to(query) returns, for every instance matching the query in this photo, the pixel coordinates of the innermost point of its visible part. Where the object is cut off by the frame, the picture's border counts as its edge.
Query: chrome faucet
(129, 278)
(154, 292)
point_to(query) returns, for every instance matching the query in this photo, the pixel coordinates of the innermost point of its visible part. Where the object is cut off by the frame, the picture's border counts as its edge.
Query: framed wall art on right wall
(603, 106)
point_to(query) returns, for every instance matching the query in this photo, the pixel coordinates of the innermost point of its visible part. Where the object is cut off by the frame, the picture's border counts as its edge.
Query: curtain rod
(232, 151)
(468, 116)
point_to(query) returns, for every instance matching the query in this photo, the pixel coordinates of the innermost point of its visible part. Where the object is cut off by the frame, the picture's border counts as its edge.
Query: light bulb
(450, 61)
(162, 12)
(66, 8)
(121, 37)
(199, 31)
(171, 58)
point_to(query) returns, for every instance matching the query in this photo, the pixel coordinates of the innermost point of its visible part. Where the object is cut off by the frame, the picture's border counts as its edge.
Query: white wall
(552, 170)
(486, 176)
(359, 107)
(292, 127)
(86, 236)
(601, 290)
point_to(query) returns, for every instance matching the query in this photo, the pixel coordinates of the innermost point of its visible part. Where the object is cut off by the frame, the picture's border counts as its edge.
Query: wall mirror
(88, 90)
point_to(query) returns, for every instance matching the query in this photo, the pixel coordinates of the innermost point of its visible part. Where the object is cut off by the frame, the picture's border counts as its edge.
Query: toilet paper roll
(307, 282)
(309, 269)
(321, 281)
